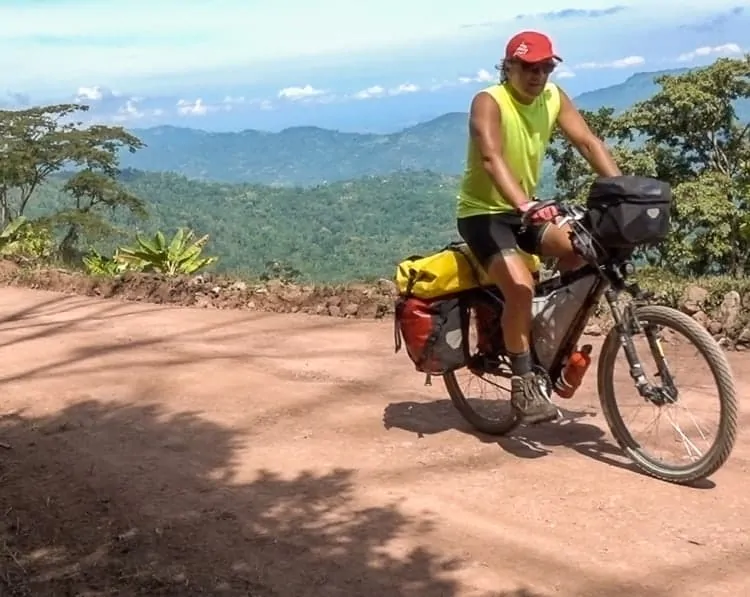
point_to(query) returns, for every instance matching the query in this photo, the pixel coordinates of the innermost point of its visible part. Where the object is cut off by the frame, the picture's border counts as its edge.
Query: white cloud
(378, 91)
(94, 94)
(261, 104)
(404, 88)
(724, 49)
(112, 43)
(129, 111)
(145, 108)
(115, 44)
(626, 62)
(300, 93)
(564, 74)
(483, 76)
(563, 71)
(196, 108)
(230, 100)
(370, 92)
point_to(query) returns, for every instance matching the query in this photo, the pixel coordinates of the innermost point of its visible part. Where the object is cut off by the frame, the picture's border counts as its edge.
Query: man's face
(529, 78)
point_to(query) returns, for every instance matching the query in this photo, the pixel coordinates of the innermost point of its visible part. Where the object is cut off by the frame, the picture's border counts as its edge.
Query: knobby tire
(499, 426)
(723, 378)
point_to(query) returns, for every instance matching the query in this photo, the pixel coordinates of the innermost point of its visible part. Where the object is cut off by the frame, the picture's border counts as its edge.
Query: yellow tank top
(526, 131)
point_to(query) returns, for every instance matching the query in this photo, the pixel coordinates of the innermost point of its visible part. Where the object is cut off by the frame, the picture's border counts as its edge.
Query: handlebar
(583, 242)
(565, 211)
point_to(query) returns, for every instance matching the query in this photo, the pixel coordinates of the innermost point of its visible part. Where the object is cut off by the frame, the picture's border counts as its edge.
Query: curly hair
(502, 68)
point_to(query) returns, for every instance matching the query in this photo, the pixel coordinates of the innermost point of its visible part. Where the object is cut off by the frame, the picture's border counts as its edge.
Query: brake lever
(564, 220)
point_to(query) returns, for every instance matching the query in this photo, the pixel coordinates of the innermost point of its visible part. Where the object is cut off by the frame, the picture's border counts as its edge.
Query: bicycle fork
(627, 324)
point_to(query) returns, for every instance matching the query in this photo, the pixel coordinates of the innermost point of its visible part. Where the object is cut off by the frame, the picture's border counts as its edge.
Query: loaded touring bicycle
(446, 297)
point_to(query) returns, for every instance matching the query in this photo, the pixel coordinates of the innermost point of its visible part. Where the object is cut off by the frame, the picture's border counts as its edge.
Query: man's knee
(509, 271)
(554, 241)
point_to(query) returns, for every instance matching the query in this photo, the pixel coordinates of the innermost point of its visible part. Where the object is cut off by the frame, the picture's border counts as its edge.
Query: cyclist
(510, 125)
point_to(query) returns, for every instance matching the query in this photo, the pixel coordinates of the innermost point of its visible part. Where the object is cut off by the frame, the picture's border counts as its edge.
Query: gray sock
(520, 364)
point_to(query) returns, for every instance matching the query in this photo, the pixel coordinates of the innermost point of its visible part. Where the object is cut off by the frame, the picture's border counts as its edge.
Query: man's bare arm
(484, 121)
(591, 147)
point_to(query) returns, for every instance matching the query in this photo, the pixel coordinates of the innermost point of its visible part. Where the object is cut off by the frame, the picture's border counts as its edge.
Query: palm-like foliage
(181, 255)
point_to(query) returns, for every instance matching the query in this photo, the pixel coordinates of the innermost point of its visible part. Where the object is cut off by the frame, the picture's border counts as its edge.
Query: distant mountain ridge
(310, 155)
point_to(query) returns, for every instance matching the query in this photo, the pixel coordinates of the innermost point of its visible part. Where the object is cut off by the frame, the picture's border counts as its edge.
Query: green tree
(276, 270)
(572, 174)
(687, 134)
(42, 141)
(691, 133)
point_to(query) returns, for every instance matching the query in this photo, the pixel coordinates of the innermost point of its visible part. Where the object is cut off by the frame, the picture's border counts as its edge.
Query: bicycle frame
(610, 280)
(575, 330)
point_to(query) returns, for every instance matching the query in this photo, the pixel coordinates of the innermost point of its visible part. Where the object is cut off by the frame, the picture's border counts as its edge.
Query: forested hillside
(311, 155)
(337, 232)
(301, 155)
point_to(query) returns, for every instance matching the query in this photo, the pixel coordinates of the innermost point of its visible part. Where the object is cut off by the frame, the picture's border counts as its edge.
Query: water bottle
(573, 372)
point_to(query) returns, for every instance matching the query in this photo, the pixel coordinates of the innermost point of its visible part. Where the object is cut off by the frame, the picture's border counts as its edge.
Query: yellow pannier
(453, 269)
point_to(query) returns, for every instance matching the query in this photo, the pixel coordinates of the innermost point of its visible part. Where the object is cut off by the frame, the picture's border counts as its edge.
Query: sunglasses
(544, 68)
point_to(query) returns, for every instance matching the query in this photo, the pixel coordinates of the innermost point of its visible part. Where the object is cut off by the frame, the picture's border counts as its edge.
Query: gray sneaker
(527, 397)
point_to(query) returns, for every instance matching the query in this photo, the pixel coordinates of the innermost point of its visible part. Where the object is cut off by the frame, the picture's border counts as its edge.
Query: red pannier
(434, 331)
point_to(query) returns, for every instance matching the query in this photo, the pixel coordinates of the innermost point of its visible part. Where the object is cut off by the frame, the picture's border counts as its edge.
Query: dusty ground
(173, 451)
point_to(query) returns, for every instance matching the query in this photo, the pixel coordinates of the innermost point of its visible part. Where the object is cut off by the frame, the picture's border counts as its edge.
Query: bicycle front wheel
(661, 326)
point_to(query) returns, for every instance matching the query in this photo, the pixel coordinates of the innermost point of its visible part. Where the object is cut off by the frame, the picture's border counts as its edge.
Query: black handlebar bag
(625, 212)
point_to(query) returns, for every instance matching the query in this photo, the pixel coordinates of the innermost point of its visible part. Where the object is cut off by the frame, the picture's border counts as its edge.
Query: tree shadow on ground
(126, 500)
(60, 316)
(129, 500)
(526, 441)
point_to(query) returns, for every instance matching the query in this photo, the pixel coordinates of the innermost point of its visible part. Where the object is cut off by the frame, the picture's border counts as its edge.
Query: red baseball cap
(530, 46)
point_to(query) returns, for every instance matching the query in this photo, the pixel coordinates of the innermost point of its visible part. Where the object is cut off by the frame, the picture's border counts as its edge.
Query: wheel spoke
(674, 372)
(678, 429)
(491, 395)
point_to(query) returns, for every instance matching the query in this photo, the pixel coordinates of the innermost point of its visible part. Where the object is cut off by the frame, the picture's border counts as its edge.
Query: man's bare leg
(515, 281)
(555, 242)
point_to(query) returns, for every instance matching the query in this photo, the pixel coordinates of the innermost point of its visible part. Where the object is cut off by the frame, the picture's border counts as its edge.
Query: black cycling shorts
(490, 234)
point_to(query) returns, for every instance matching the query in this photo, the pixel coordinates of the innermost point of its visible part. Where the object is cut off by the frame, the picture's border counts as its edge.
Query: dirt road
(175, 451)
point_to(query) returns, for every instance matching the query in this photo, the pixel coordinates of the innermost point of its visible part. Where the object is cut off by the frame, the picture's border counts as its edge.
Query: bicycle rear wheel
(492, 425)
(488, 373)
(654, 318)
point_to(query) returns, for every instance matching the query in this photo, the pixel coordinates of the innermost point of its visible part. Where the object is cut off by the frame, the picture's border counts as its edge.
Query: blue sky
(232, 64)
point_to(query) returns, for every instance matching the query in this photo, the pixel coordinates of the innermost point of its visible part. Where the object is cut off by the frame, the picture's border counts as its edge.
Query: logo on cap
(521, 50)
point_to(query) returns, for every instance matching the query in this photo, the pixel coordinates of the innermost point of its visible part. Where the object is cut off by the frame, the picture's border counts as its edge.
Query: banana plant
(100, 265)
(181, 255)
(10, 238)
(26, 240)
